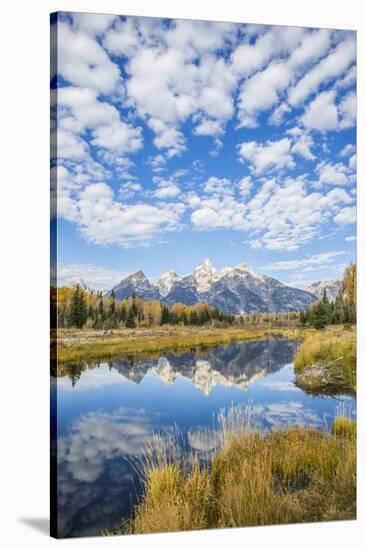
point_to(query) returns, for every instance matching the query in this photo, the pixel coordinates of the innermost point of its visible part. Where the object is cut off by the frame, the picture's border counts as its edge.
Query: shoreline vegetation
(77, 345)
(326, 361)
(288, 475)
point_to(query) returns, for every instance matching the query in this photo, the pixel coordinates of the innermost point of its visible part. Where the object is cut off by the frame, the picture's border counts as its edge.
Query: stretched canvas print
(203, 275)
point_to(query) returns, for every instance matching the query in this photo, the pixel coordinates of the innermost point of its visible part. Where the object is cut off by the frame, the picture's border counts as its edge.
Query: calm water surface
(107, 412)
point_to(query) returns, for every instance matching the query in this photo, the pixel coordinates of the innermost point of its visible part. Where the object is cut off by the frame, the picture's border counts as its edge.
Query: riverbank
(76, 345)
(286, 476)
(326, 361)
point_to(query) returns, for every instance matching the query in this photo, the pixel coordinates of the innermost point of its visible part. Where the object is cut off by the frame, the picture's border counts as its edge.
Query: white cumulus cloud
(264, 157)
(322, 113)
(83, 62)
(346, 216)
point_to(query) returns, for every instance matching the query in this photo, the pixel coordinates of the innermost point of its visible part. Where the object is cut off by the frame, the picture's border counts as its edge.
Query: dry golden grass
(343, 426)
(326, 361)
(287, 476)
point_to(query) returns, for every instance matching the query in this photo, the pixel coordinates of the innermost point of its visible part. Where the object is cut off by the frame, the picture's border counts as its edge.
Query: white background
(24, 218)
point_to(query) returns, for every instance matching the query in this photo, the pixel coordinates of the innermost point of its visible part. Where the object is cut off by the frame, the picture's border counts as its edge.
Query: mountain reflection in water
(236, 364)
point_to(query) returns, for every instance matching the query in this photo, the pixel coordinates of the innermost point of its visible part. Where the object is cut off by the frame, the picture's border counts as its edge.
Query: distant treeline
(74, 307)
(341, 311)
(77, 308)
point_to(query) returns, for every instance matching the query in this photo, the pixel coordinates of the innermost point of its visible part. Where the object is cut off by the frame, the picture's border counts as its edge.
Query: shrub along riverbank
(286, 476)
(326, 361)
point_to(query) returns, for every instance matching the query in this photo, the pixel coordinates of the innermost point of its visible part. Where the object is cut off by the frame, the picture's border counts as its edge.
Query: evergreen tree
(319, 315)
(165, 315)
(122, 314)
(174, 319)
(131, 319)
(193, 318)
(134, 306)
(327, 307)
(91, 312)
(101, 311)
(331, 306)
(303, 318)
(112, 308)
(78, 311)
(185, 319)
(204, 317)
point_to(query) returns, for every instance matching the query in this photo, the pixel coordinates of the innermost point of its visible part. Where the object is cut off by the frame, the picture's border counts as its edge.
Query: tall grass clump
(326, 362)
(255, 478)
(177, 491)
(343, 425)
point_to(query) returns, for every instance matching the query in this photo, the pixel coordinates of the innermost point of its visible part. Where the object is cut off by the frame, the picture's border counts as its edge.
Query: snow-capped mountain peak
(81, 284)
(136, 283)
(243, 266)
(204, 275)
(245, 269)
(206, 263)
(137, 276)
(166, 281)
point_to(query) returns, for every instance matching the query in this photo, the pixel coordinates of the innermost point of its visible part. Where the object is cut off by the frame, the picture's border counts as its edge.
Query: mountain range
(233, 290)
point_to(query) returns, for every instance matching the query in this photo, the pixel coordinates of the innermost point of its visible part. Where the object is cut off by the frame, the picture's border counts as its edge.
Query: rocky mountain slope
(331, 286)
(138, 284)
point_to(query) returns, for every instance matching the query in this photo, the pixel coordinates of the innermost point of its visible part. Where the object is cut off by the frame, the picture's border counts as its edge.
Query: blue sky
(180, 140)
